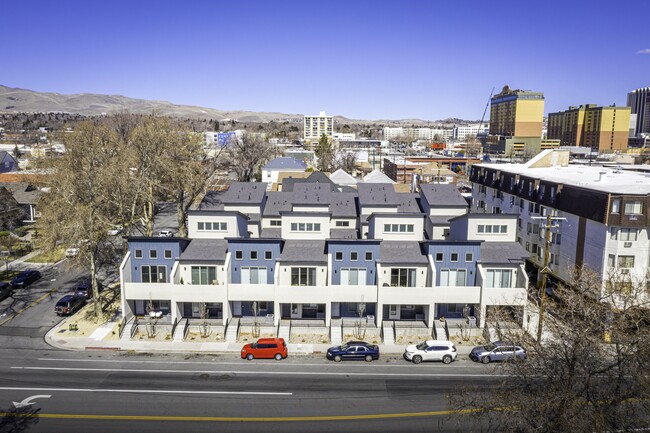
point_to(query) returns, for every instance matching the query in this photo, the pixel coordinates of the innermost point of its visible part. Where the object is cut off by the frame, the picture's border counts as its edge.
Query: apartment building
(315, 126)
(315, 253)
(429, 134)
(604, 129)
(639, 102)
(603, 213)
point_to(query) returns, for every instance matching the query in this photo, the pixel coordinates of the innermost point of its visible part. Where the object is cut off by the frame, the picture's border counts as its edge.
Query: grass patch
(49, 256)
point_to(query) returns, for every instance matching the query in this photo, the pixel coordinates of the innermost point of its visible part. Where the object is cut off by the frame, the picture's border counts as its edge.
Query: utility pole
(541, 282)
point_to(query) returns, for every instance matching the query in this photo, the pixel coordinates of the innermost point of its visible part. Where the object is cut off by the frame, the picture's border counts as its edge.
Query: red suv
(265, 348)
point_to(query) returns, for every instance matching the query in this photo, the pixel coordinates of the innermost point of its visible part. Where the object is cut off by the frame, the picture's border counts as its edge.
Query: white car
(431, 350)
(116, 230)
(72, 252)
(165, 234)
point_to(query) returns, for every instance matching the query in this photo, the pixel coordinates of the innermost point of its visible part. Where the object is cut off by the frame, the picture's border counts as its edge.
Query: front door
(296, 311)
(187, 309)
(393, 312)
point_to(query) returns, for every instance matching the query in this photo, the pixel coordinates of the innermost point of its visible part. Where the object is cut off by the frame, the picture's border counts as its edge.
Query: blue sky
(355, 58)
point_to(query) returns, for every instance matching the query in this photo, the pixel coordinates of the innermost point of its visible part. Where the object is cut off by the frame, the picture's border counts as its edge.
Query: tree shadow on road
(15, 420)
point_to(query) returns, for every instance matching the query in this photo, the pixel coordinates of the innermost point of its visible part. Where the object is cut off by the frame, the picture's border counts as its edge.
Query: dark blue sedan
(25, 278)
(353, 350)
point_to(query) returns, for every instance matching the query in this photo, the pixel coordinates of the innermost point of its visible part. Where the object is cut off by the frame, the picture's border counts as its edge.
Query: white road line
(144, 391)
(415, 374)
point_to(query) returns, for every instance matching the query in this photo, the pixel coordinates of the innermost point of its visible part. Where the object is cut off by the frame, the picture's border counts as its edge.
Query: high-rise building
(599, 128)
(316, 126)
(639, 102)
(517, 113)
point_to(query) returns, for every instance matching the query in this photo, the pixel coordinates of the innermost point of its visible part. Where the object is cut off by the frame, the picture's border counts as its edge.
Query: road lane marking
(245, 419)
(145, 391)
(415, 374)
(29, 306)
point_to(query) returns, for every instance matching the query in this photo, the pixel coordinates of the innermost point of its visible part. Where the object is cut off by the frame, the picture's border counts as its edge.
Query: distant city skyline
(369, 60)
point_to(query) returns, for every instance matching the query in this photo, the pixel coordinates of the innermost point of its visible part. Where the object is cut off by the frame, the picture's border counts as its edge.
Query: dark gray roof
(439, 220)
(502, 252)
(442, 195)
(206, 250)
(311, 193)
(23, 192)
(344, 234)
(407, 202)
(402, 252)
(285, 163)
(277, 202)
(249, 193)
(377, 194)
(271, 232)
(212, 200)
(343, 204)
(304, 251)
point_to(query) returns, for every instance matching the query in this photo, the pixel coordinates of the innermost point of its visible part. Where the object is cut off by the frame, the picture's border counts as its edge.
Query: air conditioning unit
(627, 244)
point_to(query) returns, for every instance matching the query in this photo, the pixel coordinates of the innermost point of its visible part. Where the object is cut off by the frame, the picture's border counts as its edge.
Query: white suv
(431, 350)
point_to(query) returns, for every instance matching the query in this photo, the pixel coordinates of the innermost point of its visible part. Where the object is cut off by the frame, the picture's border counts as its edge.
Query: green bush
(4, 233)
(20, 231)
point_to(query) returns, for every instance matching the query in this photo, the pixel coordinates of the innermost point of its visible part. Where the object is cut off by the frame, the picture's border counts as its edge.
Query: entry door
(393, 312)
(296, 311)
(236, 308)
(187, 309)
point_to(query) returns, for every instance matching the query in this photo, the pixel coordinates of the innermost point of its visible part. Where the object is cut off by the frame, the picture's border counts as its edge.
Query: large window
(626, 262)
(212, 226)
(154, 274)
(305, 227)
(499, 278)
(204, 274)
(453, 277)
(402, 277)
(628, 234)
(353, 276)
(399, 228)
(253, 275)
(303, 276)
(634, 207)
(482, 228)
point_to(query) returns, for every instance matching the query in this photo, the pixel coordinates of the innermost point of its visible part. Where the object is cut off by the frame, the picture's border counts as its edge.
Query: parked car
(431, 350)
(25, 278)
(165, 234)
(72, 252)
(69, 304)
(5, 290)
(116, 230)
(85, 289)
(269, 348)
(497, 351)
(354, 350)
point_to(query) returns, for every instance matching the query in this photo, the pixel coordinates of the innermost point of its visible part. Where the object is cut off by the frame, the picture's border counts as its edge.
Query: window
(616, 205)
(303, 276)
(354, 256)
(153, 254)
(253, 275)
(402, 277)
(440, 257)
(399, 228)
(239, 255)
(200, 226)
(368, 256)
(628, 234)
(453, 277)
(611, 260)
(268, 255)
(253, 255)
(154, 274)
(499, 278)
(353, 276)
(204, 274)
(469, 257)
(454, 257)
(634, 207)
(338, 256)
(343, 224)
(305, 227)
(275, 223)
(168, 254)
(481, 228)
(210, 226)
(138, 254)
(625, 261)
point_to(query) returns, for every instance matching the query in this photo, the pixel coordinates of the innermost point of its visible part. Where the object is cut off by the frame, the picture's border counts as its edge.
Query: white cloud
(644, 51)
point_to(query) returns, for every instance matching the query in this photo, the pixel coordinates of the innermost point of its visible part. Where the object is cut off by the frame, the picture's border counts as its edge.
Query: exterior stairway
(179, 332)
(440, 334)
(232, 331)
(336, 332)
(128, 329)
(284, 330)
(388, 332)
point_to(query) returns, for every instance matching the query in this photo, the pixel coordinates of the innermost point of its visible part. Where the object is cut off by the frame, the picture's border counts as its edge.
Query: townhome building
(599, 215)
(319, 256)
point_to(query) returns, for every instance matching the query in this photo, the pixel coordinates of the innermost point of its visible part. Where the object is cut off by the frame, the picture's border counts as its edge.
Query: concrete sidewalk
(21, 263)
(96, 341)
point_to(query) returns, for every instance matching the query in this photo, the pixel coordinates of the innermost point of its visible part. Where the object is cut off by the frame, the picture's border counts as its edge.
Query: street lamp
(541, 282)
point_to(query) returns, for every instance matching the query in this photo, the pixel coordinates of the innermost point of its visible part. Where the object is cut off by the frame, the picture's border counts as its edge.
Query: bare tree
(360, 325)
(245, 155)
(10, 210)
(204, 328)
(589, 373)
(255, 332)
(347, 161)
(325, 154)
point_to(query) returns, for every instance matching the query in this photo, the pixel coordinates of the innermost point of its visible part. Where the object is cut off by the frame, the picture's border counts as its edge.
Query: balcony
(246, 292)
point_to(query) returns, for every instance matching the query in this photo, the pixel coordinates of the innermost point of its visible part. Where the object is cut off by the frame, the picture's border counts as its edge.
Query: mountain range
(15, 100)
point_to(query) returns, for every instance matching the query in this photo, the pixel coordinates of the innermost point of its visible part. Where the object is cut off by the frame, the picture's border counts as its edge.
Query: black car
(25, 278)
(354, 350)
(5, 290)
(85, 289)
(69, 304)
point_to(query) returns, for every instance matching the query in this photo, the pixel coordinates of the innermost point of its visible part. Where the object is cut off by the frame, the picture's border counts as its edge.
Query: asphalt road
(95, 391)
